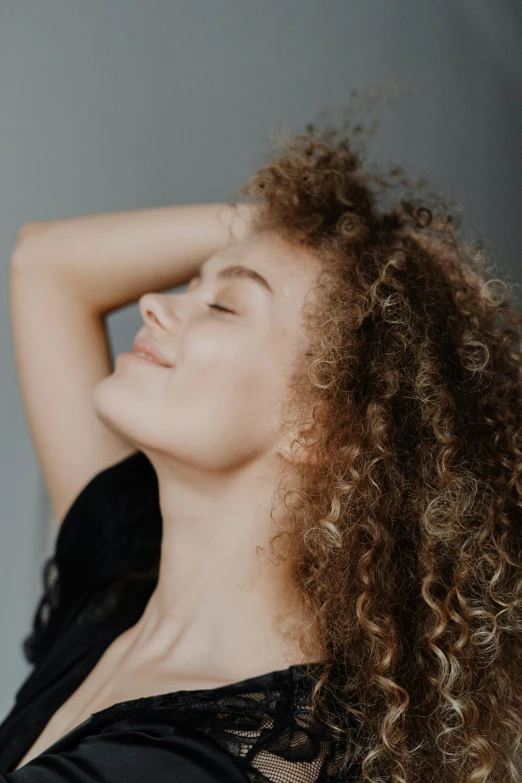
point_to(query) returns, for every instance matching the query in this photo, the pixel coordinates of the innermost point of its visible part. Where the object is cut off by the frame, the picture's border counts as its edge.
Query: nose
(153, 310)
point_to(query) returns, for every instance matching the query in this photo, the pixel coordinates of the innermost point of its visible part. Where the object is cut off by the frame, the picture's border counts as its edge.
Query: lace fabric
(47, 616)
(269, 731)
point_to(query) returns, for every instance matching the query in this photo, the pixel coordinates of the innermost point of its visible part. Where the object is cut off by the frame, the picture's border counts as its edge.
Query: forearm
(109, 260)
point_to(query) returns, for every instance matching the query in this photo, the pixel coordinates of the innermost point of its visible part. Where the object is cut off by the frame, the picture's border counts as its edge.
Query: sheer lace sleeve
(112, 528)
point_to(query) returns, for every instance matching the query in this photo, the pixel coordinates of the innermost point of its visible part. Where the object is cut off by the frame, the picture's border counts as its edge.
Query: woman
(289, 547)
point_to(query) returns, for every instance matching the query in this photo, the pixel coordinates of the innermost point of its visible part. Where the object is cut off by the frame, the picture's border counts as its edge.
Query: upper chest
(108, 683)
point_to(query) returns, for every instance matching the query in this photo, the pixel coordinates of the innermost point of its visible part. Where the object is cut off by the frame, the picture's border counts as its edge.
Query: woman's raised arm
(66, 275)
(109, 260)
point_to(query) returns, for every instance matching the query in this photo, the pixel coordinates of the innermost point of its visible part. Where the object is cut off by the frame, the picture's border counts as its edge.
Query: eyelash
(220, 307)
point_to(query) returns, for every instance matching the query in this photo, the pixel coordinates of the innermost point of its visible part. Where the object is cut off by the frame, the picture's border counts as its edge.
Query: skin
(209, 427)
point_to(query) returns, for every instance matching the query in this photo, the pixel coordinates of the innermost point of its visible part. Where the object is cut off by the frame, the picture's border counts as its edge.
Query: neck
(221, 605)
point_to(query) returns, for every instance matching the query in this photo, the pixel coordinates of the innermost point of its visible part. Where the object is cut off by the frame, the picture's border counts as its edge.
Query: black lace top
(253, 731)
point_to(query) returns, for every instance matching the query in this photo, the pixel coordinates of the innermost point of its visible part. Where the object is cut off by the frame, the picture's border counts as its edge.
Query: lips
(148, 348)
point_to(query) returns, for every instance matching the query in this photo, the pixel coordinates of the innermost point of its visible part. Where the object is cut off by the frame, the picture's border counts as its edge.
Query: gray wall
(128, 104)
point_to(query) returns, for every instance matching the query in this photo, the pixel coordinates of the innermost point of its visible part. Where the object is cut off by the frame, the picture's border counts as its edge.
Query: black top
(256, 730)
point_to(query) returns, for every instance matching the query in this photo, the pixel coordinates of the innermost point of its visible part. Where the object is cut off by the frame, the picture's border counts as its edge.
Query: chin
(107, 406)
(121, 415)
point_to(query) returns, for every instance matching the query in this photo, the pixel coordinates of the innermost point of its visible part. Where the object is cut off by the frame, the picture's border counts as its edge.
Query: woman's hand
(241, 220)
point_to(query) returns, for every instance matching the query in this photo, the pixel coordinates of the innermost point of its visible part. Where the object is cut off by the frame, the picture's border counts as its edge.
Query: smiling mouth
(150, 359)
(144, 357)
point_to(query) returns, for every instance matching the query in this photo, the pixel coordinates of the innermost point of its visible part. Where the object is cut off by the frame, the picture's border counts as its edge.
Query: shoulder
(112, 527)
(110, 503)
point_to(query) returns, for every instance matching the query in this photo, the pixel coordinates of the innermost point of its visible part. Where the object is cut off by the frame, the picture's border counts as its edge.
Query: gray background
(128, 104)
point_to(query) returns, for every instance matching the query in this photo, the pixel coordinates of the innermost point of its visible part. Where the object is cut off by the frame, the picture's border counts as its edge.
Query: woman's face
(220, 404)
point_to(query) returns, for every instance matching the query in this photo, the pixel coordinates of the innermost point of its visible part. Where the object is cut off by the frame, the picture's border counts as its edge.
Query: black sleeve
(159, 755)
(112, 526)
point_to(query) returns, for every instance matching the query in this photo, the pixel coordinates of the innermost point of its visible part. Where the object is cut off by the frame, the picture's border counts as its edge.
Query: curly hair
(407, 521)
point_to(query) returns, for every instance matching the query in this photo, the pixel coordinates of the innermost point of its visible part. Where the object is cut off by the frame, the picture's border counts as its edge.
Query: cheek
(219, 360)
(240, 380)
(234, 372)
(231, 390)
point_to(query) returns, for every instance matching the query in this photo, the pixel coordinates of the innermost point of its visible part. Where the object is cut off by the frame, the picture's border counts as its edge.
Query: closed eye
(220, 307)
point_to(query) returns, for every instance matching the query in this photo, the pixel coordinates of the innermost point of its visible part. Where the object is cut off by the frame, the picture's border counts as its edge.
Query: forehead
(289, 270)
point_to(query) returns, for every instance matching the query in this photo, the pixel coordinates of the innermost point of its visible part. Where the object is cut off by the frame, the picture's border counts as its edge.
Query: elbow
(23, 240)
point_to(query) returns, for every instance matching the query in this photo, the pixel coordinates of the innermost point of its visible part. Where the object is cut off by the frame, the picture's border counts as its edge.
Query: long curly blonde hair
(407, 522)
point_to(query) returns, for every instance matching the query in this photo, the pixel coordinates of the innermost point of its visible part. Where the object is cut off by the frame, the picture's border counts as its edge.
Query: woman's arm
(66, 275)
(109, 260)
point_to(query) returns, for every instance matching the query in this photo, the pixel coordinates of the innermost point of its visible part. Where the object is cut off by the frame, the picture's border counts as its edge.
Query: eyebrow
(237, 271)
